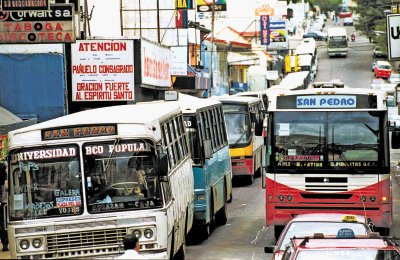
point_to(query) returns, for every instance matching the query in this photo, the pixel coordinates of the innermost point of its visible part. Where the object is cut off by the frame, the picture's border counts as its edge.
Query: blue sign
(326, 101)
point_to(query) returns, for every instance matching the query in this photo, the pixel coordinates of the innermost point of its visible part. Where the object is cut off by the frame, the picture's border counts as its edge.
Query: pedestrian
(4, 198)
(131, 247)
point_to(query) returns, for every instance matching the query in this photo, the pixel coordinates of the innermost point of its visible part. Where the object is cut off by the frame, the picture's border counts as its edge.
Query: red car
(344, 246)
(382, 69)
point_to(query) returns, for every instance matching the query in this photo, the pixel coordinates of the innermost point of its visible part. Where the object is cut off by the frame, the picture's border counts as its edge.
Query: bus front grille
(95, 238)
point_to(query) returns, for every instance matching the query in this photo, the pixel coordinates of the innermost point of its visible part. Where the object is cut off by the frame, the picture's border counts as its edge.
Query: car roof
(326, 217)
(382, 62)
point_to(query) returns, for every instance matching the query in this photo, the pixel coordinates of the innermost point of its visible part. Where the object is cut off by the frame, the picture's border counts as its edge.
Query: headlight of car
(24, 244)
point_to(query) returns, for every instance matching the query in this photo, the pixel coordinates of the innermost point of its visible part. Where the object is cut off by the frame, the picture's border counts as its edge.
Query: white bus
(337, 42)
(74, 188)
(296, 80)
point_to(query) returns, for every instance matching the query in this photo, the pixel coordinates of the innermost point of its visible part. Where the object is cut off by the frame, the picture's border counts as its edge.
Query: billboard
(53, 26)
(102, 70)
(206, 5)
(24, 5)
(393, 36)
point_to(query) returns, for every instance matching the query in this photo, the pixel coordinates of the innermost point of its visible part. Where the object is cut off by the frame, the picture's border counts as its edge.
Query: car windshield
(45, 182)
(348, 254)
(384, 67)
(121, 175)
(303, 229)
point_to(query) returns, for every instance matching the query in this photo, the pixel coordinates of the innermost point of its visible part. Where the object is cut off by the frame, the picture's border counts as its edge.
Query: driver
(138, 175)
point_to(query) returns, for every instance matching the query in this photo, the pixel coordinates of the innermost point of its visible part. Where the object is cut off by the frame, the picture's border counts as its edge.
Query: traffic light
(288, 67)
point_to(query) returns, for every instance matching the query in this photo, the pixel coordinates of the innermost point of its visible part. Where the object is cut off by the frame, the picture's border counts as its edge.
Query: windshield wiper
(240, 138)
(116, 142)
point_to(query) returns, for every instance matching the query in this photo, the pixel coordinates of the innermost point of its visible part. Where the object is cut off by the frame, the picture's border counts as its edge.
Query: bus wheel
(220, 216)
(203, 231)
(383, 231)
(250, 179)
(278, 230)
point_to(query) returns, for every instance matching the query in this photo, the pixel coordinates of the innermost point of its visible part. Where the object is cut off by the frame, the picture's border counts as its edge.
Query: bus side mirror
(207, 149)
(259, 128)
(163, 164)
(395, 139)
(253, 117)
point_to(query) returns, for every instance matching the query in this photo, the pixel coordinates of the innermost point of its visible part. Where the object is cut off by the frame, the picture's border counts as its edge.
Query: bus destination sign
(328, 101)
(355, 101)
(78, 132)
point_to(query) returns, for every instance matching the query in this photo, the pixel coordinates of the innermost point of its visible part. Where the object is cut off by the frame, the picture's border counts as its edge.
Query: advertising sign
(156, 62)
(206, 5)
(102, 70)
(277, 34)
(393, 36)
(24, 5)
(53, 26)
(179, 61)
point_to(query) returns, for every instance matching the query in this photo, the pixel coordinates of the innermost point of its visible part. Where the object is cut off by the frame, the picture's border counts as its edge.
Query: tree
(327, 5)
(370, 15)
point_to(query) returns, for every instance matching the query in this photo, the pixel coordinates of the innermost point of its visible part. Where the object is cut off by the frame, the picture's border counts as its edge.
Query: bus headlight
(137, 233)
(281, 197)
(372, 198)
(37, 243)
(148, 233)
(363, 198)
(24, 244)
(289, 197)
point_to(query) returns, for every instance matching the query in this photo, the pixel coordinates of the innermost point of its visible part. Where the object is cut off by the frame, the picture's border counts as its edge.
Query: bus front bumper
(280, 213)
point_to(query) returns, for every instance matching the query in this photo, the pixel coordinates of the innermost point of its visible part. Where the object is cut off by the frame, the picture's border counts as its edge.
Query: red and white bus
(328, 152)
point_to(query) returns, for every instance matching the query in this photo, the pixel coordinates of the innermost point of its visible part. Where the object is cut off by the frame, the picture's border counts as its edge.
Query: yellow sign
(395, 9)
(288, 68)
(349, 218)
(265, 10)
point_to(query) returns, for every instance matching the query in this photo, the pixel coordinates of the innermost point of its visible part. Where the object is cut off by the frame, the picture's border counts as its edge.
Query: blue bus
(205, 126)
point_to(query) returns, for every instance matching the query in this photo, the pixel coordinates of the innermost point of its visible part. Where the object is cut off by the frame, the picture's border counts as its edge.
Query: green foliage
(370, 15)
(327, 5)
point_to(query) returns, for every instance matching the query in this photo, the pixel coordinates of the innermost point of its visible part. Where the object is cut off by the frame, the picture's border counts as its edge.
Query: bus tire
(204, 231)
(221, 216)
(250, 179)
(171, 252)
(180, 255)
(277, 231)
(383, 231)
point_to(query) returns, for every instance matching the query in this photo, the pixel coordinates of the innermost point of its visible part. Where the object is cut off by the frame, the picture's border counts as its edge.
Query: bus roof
(190, 104)
(142, 115)
(336, 31)
(294, 79)
(239, 99)
(305, 49)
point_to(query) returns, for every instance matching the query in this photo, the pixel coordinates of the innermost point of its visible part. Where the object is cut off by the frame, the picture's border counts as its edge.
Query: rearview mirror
(395, 139)
(258, 128)
(163, 164)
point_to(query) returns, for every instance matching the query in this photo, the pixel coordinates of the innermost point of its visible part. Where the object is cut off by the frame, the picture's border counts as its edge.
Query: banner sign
(24, 5)
(102, 70)
(155, 60)
(181, 19)
(264, 34)
(53, 26)
(338, 101)
(206, 5)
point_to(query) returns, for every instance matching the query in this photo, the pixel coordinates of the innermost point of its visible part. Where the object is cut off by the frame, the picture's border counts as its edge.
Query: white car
(394, 78)
(327, 223)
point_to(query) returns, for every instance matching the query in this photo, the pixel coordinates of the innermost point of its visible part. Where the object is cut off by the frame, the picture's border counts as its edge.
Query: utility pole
(212, 48)
(158, 22)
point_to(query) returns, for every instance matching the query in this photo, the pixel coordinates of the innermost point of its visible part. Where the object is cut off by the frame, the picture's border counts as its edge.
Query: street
(245, 234)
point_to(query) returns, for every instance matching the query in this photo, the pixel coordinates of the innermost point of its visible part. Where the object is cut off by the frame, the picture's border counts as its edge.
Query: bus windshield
(238, 128)
(121, 175)
(337, 42)
(327, 139)
(45, 182)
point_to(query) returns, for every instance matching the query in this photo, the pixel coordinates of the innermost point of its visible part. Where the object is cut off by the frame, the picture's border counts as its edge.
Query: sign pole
(212, 48)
